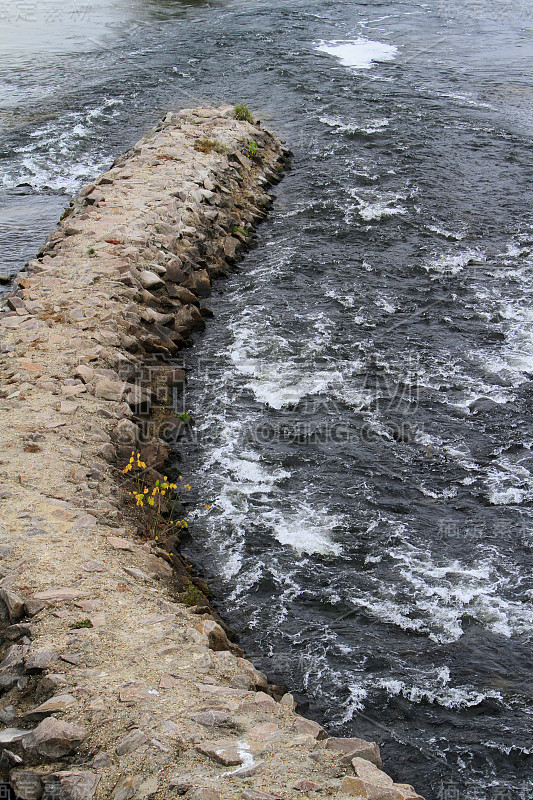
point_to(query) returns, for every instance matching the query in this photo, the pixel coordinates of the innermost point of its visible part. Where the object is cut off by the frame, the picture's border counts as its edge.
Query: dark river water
(362, 404)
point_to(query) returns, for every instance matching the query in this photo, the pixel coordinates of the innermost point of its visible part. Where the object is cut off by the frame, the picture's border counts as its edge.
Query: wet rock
(355, 748)
(13, 603)
(225, 753)
(26, 784)
(40, 661)
(132, 741)
(53, 739)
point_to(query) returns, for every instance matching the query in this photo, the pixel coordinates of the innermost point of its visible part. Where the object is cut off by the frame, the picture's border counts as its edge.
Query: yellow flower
(207, 508)
(151, 501)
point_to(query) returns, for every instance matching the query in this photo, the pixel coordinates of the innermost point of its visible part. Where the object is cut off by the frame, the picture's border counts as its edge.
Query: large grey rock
(12, 735)
(13, 659)
(40, 660)
(53, 739)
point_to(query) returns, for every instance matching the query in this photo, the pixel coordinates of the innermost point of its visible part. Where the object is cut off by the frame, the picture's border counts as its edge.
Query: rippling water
(363, 402)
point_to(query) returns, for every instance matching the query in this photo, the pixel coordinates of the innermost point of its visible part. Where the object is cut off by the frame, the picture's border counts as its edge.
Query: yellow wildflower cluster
(135, 461)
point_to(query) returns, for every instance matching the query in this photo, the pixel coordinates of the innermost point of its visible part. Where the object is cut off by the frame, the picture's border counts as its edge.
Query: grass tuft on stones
(192, 596)
(243, 114)
(209, 146)
(82, 623)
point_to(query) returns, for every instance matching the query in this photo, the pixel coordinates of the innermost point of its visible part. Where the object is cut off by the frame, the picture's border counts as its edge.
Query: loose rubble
(111, 687)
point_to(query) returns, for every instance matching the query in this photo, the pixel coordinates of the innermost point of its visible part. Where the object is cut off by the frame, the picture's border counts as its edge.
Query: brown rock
(53, 739)
(215, 634)
(369, 773)
(61, 594)
(94, 566)
(126, 433)
(84, 372)
(54, 705)
(77, 785)
(117, 543)
(353, 786)
(108, 389)
(167, 681)
(306, 786)
(214, 719)
(311, 728)
(13, 603)
(205, 793)
(40, 660)
(133, 692)
(126, 787)
(51, 682)
(32, 607)
(132, 741)
(26, 784)
(13, 659)
(225, 753)
(255, 794)
(14, 632)
(355, 748)
(158, 567)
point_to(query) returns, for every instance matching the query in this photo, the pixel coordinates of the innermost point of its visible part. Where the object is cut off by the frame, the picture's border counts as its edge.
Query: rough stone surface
(53, 739)
(26, 784)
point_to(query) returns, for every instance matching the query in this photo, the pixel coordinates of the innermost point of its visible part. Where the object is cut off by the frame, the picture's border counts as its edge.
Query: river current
(362, 404)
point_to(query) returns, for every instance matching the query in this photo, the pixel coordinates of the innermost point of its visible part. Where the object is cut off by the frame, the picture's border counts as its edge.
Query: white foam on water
(60, 155)
(368, 128)
(359, 53)
(452, 263)
(378, 208)
(434, 690)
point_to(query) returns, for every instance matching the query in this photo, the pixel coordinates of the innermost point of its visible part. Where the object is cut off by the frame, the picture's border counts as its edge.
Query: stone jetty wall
(112, 686)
